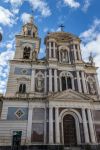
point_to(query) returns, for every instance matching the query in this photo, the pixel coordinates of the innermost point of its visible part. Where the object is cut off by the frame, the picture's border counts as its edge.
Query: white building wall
(7, 128)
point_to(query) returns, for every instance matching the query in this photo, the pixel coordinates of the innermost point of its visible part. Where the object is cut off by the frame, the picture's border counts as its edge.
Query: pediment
(69, 95)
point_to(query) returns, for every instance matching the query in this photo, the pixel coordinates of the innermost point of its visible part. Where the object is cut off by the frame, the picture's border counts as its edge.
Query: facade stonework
(54, 100)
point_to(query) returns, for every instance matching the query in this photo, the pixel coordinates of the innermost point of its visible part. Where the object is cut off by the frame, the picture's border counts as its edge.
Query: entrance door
(69, 130)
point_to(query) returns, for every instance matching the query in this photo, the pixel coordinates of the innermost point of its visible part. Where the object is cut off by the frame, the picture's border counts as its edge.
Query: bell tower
(26, 54)
(28, 42)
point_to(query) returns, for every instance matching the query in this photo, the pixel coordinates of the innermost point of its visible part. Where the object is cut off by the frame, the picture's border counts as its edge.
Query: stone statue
(34, 55)
(91, 58)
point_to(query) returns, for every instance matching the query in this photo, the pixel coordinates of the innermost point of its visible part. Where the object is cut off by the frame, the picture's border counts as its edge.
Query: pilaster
(55, 80)
(29, 124)
(50, 125)
(57, 129)
(86, 133)
(33, 81)
(79, 82)
(50, 80)
(84, 83)
(92, 135)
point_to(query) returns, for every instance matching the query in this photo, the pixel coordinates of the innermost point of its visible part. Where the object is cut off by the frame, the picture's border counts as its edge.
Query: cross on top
(62, 27)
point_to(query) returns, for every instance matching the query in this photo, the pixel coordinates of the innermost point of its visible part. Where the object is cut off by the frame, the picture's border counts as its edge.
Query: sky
(80, 17)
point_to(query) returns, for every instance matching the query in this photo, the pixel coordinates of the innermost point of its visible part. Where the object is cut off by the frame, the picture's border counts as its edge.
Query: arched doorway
(69, 130)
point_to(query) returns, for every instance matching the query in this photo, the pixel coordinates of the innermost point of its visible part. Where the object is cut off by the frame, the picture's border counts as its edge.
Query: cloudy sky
(80, 17)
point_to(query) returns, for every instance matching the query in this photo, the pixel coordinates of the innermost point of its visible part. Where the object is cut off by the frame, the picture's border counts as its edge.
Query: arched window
(63, 83)
(66, 81)
(69, 83)
(22, 88)
(29, 32)
(26, 54)
(33, 34)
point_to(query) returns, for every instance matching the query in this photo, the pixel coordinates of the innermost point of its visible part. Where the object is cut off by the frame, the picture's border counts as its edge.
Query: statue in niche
(39, 83)
(92, 88)
(34, 55)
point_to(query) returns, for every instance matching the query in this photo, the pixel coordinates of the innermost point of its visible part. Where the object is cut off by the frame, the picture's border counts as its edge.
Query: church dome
(62, 37)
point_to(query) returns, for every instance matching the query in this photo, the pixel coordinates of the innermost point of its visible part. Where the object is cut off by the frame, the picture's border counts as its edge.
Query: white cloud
(15, 5)
(86, 5)
(41, 6)
(91, 43)
(25, 17)
(45, 29)
(92, 32)
(5, 56)
(72, 3)
(38, 5)
(6, 17)
(15, 2)
(1, 30)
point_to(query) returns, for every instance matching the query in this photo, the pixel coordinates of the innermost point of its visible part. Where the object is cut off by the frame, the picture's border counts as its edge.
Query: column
(59, 56)
(33, 81)
(79, 82)
(50, 125)
(92, 134)
(49, 49)
(57, 129)
(45, 82)
(86, 134)
(50, 80)
(54, 50)
(29, 124)
(55, 81)
(69, 57)
(79, 54)
(74, 52)
(84, 83)
(97, 84)
(45, 124)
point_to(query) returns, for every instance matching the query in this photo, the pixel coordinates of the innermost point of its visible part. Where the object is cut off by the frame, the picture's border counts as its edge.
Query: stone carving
(91, 86)
(91, 58)
(40, 82)
(34, 55)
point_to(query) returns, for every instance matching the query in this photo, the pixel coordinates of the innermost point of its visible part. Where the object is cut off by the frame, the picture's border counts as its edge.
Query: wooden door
(69, 130)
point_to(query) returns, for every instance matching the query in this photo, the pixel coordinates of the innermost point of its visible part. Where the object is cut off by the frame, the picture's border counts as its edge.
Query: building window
(33, 34)
(26, 54)
(77, 55)
(69, 83)
(38, 132)
(63, 83)
(29, 32)
(16, 139)
(22, 88)
(76, 47)
(51, 44)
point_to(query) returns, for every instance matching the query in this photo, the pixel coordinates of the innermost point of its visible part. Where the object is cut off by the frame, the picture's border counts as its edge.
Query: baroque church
(53, 101)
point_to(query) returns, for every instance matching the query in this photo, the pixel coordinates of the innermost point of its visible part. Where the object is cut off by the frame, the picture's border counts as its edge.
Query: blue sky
(80, 17)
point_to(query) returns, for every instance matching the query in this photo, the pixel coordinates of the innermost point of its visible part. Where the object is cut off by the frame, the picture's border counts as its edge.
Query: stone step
(72, 148)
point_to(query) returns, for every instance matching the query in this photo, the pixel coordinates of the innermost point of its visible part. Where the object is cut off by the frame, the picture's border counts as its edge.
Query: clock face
(0, 37)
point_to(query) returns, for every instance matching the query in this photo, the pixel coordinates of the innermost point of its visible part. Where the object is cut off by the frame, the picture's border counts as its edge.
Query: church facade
(54, 100)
